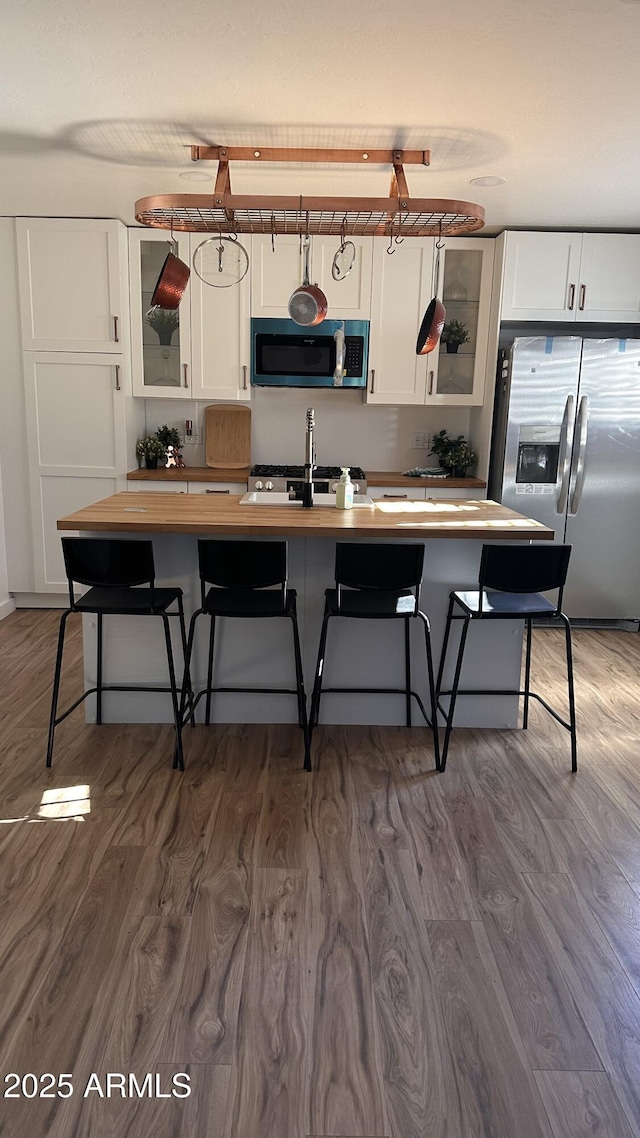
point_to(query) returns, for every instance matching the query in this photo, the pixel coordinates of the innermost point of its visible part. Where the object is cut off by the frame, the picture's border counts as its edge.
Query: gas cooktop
(266, 470)
(266, 476)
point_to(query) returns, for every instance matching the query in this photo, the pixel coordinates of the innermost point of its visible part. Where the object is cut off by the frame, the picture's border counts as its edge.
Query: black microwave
(284, 354)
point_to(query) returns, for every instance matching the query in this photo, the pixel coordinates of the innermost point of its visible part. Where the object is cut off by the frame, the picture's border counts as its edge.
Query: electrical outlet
(420, 440)
(191, 440)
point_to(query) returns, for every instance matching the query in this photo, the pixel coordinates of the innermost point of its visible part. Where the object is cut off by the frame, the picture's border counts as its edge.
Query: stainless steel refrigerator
(566, 451)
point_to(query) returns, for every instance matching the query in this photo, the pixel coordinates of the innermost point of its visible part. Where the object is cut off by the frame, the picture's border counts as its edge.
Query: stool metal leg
(186, 677)
(445, 645)
(527, 677)
(212, 635)
(454, 691)
(407, 667)
(99, 671)
(571, 691)
(302, 699)
(56, 686)
(317, 685)
(189, 652)
(432, 689)
(179, 757)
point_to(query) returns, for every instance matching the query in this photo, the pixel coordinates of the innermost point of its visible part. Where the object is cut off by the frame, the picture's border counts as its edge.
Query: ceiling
(101, 101)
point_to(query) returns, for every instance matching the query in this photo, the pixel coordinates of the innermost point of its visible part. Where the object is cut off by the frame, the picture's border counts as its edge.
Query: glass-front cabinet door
(459, 377)
(160, 338)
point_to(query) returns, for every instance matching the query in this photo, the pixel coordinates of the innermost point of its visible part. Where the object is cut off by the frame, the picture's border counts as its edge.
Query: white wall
(347, 429)
(6, 603)
(15, 513)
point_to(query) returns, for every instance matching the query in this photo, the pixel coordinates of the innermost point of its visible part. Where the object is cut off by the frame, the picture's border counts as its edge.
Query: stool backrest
(368, 566)
(242, 564)
(107, 563)
(524, 569)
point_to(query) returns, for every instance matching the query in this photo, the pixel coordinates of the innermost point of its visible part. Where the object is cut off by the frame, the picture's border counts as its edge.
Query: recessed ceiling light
(490, 180)
(196, 176)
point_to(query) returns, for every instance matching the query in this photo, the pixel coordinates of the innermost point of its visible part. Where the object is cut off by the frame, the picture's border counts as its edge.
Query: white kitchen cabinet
(571, 277)
(157, 486)
(73, 284)
(208, 353)
(277, 271)
(222, 488)
(76, 413)
(160, 369)
(398, 493)
(403, 287)
(220, 337)
(459, 378)
(421, 493)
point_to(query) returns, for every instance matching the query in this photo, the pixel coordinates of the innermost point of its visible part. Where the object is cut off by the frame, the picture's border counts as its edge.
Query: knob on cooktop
(258, 485)
(268, 485)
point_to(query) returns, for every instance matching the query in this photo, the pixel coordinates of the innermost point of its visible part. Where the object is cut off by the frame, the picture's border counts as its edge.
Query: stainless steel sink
(281, 498)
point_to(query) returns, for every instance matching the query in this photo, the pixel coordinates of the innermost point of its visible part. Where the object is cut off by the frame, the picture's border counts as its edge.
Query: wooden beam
(362, 157)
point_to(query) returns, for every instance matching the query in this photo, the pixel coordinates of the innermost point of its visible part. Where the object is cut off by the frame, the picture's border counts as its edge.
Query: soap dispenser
(344, 490)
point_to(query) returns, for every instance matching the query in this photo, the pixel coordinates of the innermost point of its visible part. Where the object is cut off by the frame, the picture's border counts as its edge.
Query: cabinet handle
(395, 495)
(430, 383)
(583, 293)
(117, 377)
(185, 368)
(115, 330)
(217, 491)
(373, 379)
(244, 379)
(572, 297)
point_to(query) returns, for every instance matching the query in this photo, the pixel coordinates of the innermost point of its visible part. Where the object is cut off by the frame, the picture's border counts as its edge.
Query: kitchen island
(255, 653)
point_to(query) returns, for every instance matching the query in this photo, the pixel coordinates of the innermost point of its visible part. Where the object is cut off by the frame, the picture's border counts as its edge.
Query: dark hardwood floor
(369, 950)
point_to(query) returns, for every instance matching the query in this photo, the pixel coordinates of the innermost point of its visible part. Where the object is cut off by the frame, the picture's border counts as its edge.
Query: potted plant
(169, 437)
(151, 450)
(454, 334)
(164, 322)
(455, 455)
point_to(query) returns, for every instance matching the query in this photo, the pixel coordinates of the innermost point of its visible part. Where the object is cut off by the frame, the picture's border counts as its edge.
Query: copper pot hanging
(435, 316)
(173, 280)
(308, 304)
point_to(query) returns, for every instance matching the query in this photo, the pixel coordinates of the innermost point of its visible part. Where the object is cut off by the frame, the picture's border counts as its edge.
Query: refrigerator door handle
(582, 430)
(564, 458)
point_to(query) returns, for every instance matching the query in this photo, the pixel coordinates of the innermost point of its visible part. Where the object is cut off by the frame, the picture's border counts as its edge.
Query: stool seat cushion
(371, 602)
(505, 604)
(249, 602)
(126, 601)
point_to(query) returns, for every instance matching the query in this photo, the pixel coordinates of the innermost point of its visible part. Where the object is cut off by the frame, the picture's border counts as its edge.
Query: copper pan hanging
(307, 305)
(435, 316)
(173, 280)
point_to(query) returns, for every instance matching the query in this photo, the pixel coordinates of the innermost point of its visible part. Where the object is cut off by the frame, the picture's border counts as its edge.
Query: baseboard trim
(7, 607)
(41, 600)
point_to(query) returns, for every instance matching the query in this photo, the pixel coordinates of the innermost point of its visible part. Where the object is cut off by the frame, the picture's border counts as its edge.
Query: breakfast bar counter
(258, 653)
(453, 519)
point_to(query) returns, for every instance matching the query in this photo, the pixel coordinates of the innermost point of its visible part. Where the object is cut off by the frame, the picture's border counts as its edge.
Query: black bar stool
(249, 580)
(515, 576)
(113, 569)
(379, 582)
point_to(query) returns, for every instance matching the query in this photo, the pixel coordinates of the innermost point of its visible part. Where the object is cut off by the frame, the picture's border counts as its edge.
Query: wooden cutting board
(228, 435)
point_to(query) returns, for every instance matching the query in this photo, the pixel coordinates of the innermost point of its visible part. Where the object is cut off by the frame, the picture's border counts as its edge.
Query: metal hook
(398, 239)
(343, 234)
(390, 248)
(273, 233)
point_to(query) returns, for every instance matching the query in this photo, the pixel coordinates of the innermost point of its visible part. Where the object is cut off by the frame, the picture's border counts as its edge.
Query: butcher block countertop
(198, 514)
(393, 478)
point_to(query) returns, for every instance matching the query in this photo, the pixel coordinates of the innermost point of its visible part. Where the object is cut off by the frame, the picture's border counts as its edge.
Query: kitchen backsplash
(376, 438)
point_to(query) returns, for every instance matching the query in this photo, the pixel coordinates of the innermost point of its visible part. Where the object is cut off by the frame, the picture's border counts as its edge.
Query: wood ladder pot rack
(399, 215)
